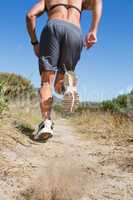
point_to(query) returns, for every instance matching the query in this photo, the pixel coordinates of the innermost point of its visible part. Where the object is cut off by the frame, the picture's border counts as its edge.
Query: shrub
(121, 104)
(121, 101)
(109, 106)
(3, 99)
(17, 86)
(58, 108)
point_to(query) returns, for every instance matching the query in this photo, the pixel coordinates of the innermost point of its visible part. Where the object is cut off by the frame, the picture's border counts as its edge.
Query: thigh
(49, 51)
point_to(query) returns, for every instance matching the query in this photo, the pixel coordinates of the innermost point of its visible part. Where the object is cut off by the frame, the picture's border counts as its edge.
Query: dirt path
(67, 167)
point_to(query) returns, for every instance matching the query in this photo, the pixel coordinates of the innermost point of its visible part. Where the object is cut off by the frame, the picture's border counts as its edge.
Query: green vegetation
(3, 99)
(17, 86)
(121, 104)
(12, 87)
(58, 108)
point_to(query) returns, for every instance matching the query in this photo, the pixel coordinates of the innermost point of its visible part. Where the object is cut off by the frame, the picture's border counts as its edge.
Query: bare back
(61, 12)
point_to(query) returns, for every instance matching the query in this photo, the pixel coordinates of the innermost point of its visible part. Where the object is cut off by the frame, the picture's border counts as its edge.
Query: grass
(16, 126)
(14, 131)
(24, 127)
(105, 126)
(3, 99)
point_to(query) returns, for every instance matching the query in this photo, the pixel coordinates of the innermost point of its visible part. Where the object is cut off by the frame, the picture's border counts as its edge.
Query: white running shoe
(45, 130)
(71, 97)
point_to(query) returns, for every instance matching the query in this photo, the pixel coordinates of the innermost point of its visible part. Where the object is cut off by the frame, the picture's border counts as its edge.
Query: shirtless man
(59, 50)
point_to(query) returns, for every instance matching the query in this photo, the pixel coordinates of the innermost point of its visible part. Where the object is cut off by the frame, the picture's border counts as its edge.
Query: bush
(58, 108)
(109, 106)
(3, 99)
(121, 104)
(17, 86)
(121, 101)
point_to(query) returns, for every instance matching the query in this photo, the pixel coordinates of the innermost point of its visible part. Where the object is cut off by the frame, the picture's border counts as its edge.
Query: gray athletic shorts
(61, 44)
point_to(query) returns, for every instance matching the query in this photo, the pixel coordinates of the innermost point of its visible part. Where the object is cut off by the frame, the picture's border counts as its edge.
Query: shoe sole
(70, 102)
(43, 136)
(71, 99)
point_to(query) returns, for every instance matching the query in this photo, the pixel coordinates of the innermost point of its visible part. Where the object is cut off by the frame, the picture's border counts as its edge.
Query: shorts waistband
(63, 22)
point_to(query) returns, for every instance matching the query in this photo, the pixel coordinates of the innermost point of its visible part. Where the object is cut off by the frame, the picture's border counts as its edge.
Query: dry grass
(103, 125)
(15, 124)
(10, 136)
(62, 180)
(108, 129)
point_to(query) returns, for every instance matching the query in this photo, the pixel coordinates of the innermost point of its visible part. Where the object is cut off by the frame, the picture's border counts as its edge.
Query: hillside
(89, 157)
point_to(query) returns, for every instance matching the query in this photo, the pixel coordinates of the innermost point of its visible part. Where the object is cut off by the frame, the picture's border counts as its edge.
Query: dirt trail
(67, 167)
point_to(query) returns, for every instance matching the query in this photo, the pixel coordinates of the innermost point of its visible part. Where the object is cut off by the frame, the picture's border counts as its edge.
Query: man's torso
(68, 14)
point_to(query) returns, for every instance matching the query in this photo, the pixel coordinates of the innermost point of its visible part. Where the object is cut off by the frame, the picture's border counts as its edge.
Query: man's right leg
(45, 92)
(45, 128)
(49, 54)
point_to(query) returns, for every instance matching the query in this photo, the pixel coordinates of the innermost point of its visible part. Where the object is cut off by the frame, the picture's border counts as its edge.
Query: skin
(71, 15)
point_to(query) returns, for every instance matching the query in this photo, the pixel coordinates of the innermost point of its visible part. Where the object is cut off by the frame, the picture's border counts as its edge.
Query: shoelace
(48, 124)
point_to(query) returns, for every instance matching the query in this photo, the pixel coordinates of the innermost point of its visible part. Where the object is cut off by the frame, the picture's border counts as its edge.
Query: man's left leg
(59, 82)
(65, 84)
(70, 51)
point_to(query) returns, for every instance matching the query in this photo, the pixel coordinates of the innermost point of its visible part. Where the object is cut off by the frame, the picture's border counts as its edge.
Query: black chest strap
(65, 5)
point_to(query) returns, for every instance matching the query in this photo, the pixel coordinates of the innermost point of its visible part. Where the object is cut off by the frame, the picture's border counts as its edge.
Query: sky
(104, 71)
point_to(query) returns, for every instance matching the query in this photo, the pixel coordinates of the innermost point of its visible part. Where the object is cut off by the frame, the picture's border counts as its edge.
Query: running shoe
(71, 97)
(45, 130)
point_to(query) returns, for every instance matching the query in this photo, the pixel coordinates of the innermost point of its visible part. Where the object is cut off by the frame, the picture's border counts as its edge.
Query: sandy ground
(66, 167)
